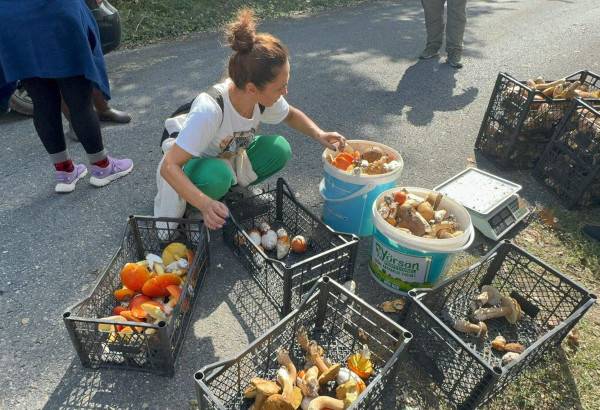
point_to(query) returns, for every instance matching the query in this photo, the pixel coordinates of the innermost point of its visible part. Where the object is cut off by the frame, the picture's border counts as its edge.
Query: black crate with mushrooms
(364, 158)
(491, 304)
(270, 240)
(418, 212)
(318, 385)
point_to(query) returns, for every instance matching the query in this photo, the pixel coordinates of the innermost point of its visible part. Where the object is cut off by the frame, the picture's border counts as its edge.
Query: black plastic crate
(285, 281)
(570, 165)
(154, 352)
(519, 121)
(340, 322)
(465, 368)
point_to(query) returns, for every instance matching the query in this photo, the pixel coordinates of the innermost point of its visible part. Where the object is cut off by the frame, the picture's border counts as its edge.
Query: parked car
(109, 24)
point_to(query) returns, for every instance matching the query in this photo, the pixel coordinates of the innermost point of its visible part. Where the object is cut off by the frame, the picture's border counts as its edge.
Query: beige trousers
(455, 23)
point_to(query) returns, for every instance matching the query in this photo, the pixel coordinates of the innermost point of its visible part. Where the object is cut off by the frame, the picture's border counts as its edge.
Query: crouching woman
(216, 147)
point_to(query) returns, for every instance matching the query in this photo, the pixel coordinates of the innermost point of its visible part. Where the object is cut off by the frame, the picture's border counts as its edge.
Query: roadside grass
(148, 21)
(569, 379)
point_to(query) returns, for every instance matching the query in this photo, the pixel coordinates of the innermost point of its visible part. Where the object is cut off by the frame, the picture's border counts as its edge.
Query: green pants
(455, 23)
(268, 155)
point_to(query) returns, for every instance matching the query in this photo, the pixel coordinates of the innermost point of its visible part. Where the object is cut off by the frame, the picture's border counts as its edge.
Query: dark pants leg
(47, 120)
(77, 93)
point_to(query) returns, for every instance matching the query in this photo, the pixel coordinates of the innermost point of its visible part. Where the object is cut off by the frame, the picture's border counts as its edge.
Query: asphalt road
(353, 70)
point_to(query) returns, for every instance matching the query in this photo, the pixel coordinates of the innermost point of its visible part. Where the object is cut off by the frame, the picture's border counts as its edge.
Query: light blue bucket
(349, 198)
(401, 262)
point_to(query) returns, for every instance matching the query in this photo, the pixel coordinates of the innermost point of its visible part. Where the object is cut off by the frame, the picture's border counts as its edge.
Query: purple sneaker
(65, 181)
(116, 168)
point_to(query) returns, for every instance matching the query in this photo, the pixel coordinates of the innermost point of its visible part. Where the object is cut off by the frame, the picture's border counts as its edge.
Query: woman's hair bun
(241, 32)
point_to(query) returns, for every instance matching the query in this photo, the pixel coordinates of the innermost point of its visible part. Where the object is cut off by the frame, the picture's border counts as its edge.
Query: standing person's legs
(47, 120)
(106, 112)
(77, 93)
(455, 30)
(434, 24)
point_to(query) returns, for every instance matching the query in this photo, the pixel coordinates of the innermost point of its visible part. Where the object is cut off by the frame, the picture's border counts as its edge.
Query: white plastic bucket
(401, 261)
(349, 198)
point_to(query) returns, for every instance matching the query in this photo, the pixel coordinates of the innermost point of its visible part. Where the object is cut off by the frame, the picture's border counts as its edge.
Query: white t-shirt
(204, 134)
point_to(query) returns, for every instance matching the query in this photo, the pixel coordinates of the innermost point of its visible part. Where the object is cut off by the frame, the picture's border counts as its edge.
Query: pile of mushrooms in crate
(150, 290)
(311, 388)
(491, 304)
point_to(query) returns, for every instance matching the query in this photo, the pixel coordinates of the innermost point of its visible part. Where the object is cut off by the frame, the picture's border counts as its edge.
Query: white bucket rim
(449, 245)
(364, 178)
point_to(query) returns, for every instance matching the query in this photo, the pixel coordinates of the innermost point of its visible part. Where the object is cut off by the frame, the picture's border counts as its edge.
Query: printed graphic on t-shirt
(239, 140)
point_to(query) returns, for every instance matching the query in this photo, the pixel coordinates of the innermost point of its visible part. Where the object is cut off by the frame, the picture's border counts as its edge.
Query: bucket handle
(364, 190)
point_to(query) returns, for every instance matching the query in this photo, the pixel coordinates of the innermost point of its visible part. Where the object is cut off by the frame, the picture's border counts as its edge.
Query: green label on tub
(389, 265)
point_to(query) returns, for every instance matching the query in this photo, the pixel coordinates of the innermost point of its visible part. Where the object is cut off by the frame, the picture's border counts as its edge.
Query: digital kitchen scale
(493, 202)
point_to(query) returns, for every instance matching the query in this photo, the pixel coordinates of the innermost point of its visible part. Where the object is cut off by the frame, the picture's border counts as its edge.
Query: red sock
(66, 166)
(103, 163)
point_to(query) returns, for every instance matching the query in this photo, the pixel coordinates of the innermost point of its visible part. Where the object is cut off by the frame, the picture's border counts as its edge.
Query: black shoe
(592, 232)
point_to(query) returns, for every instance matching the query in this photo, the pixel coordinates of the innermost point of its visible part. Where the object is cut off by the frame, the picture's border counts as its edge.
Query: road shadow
(425, 79)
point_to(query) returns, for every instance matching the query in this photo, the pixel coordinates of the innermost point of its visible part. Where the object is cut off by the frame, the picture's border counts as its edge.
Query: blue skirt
(50, 39)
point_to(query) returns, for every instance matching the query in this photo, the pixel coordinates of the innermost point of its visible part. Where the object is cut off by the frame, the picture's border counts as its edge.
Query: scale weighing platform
(493, 202)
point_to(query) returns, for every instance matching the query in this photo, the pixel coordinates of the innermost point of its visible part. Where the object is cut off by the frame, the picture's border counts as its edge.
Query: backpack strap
(218, 97)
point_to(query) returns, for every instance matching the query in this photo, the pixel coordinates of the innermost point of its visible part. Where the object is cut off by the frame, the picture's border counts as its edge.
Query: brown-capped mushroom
(489, 295)
(498, 343)
(264, 389)
(309, 384)
(412, 220)
(372, 154)
(283, 401)
(426, 210)
(479, 329)
(509, 309)
(326, 373)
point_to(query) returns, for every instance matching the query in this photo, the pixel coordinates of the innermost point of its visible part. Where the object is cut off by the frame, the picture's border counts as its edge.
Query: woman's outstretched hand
(214, 213)
(332, 140)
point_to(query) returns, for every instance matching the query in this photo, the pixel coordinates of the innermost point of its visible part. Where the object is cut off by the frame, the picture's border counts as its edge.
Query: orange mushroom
(175, 293)
(136, 303)
(134, 276)
(123, 294)
(157, 286)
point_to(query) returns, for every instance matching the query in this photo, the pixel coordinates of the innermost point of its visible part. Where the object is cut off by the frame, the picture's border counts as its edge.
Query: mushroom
(283, 243)
(264, 389)
(283, 358)
(299, 244)
(498, 343)
(264, 227)
(434, 198)
(439, 216)
(360, 363)
(269, 240)
(426, 210)
(479, 329)
(326, 402)
(284, 400)
(309, 384)
(326, 373)
(372, 154)
(345, 375)
(255, 236)
(509, 309)
(154, 311)
(348, 392)
(489, 295)
(175, 294)
(509, 358)
(412, 220)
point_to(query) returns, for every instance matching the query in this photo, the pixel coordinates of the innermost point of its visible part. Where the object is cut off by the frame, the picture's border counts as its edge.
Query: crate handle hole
(498, 370)
(407, 335)
(412, 293)
(199, 375)
(594, 296)
(162, 323)
(66, 314)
